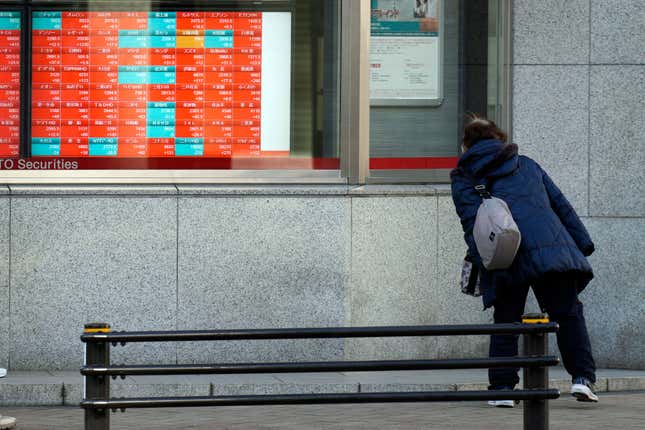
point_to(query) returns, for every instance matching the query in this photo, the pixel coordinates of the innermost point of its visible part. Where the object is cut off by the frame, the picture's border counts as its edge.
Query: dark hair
(479, 128)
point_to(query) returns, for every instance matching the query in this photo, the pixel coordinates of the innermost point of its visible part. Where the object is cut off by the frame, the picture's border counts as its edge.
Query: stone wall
(579, 80)
(168, 258)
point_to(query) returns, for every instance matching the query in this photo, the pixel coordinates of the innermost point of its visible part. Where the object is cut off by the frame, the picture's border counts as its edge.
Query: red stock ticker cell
(75, 20)
(191, 21)
(71, 112)
(10, 39)
(39, 112)
(192, 131)
(47, 74)
(129, 150)
(42, 57)
(218, 150)
(73, 74)
(104, 21)
(73, 92)
(132, 110)
(161, 149)
(190, 94)
(104, 111)
(9, 110)
(73, 40)
(9, 149)
(75, 59)
(10, 88)
(133, 93)
(247, 132)
(162, 57)
(67, 130)
(45, 93)
(224, 114)
(190, 57)
(134, 57)
(190, 115)
(45, 130)
(104, 75)
(133, 21)
(105, 41)
(74, 150)
(127, 130)
(10, 73)
(104, 92)
(187, 76)
(105, 57)
(46, 38)
(218, 131)
(162, 93)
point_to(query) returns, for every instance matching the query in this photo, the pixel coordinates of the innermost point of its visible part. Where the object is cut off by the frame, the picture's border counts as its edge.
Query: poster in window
(405, 53)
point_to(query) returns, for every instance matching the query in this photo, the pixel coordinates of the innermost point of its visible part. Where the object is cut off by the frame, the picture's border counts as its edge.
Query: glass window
(432, 61)
(147, 85)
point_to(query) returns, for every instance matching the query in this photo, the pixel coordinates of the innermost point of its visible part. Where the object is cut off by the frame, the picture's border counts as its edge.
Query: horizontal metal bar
(311, 399)
(320, 333)
(331, 366)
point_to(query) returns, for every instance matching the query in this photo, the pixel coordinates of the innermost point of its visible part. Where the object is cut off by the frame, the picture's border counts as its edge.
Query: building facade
(355, 224)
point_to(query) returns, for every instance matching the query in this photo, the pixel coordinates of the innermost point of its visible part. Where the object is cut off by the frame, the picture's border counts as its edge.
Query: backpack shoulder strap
(481, 185)
(482, 191)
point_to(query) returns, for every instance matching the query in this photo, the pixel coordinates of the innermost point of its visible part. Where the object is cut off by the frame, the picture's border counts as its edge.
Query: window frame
(354, 106)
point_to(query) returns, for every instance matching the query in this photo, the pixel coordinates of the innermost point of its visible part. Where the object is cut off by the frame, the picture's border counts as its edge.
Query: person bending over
(551, 258)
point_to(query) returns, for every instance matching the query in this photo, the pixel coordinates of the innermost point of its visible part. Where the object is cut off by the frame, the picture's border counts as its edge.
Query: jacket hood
(488, 159)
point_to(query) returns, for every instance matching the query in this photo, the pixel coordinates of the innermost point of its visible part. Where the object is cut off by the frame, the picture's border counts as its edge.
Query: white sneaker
(502, 403)
(3, 372)
(581, 389)
(7, 423)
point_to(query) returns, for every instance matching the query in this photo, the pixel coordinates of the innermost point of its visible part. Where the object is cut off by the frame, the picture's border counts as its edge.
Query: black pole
(320, 399)
(536, 411)
(314, 367)
(317, 333)
(97, 387)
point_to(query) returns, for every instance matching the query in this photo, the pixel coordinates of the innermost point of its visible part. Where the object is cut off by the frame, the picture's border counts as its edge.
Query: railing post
(97, 387)
(536, 412)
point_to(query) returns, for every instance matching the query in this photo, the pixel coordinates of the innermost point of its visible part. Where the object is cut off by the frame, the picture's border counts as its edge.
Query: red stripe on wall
(413, 163)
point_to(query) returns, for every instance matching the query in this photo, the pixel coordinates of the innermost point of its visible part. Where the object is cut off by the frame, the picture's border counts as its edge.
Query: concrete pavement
(622, 411)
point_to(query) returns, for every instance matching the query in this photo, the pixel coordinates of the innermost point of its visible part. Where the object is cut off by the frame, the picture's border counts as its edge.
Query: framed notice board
(406, 53)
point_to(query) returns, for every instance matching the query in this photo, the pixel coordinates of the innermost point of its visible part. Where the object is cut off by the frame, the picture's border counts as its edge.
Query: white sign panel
(406, 52)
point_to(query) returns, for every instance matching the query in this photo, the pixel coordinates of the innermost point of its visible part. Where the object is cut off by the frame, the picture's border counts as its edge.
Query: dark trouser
(559, 298)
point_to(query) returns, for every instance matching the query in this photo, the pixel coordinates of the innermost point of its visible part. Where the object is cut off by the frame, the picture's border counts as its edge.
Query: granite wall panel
(551, 31)
(617, 32)
(615, 299)
(550, 124)
(393, 273)
(263, 262)
(83, 259)
(617, 135)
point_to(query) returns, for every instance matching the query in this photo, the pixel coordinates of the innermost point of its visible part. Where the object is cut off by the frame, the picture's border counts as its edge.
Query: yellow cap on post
(535, 319)
(97, 328)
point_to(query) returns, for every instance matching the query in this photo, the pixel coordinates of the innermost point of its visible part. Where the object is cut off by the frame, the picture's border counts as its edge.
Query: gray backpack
(495, 232)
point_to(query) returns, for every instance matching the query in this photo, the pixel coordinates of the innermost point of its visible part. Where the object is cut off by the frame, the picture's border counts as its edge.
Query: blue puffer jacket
(554, 240)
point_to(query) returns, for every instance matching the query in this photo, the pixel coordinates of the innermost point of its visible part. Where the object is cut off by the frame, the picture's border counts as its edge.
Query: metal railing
(98, 371)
